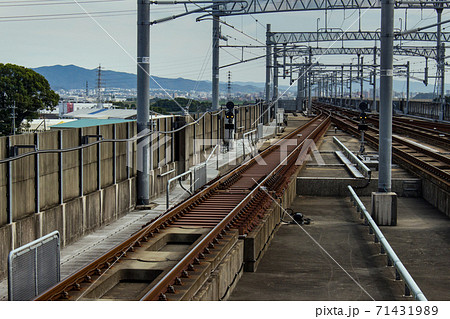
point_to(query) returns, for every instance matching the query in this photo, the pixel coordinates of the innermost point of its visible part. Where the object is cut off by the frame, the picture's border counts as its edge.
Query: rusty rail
(439, 176)
(103, 263)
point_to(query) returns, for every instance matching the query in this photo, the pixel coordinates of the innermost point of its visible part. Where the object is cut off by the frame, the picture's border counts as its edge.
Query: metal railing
(353, 158)
(392, 258)
(174, 179)
(243, 140)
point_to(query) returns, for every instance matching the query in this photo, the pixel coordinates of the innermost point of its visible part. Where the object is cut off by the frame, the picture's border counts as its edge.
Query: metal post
(114, 150)
(61, 168)
(215, 58)
(300, 90)
(351, 80)
(374, 103)
(128, 152)
(275, 82)
(407, 87)
(342, 86)
(37, 172)
(99, 160)
(81, 190)
(440, 63)
(143, 86)
(309, 82)
(268, 68)
(386, 76)
(362, 77)
(10, 217)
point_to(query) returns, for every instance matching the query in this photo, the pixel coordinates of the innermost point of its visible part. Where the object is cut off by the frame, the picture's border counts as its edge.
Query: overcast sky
(179, 48)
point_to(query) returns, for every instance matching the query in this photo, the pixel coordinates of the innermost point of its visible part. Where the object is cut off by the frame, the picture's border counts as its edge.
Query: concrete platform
(296, 268)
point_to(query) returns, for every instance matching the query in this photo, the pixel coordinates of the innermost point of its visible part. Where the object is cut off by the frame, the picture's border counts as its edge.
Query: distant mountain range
(69, 77)
(73, 77)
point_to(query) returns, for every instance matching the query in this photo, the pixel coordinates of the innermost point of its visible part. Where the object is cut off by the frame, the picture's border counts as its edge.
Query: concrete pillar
(384, 208)
(268, 68)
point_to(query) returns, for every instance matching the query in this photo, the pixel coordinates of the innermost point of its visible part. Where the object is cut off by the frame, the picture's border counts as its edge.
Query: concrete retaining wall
(436, 196)
(321, 186)
(95, 185)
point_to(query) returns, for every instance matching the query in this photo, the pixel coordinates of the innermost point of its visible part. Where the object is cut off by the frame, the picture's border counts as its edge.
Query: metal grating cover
(33, 268)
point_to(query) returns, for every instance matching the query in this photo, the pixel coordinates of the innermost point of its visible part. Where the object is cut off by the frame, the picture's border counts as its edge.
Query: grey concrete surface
(296, 268)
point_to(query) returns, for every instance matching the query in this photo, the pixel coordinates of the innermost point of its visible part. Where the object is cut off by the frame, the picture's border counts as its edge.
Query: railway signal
(229, 123)
(362, 125)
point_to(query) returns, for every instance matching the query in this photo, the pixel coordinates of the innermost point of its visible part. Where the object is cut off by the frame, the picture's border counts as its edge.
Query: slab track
(238, 200)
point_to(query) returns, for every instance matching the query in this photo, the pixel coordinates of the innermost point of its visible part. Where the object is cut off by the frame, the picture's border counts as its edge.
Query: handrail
(410, 284)
(174, 179)
(243, 140)
(353, 158)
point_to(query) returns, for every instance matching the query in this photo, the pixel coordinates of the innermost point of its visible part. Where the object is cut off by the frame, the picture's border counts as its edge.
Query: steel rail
(157, 291)
(440, 176)
(104, 262)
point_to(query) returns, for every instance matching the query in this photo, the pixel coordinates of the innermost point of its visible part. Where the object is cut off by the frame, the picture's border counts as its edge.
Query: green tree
(29, 91)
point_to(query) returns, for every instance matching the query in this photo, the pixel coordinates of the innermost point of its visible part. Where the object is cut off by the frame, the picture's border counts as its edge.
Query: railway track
(234, 203)
(420, 160)
(437, 134)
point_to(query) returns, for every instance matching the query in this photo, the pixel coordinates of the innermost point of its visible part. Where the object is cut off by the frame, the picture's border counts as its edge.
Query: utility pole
(215, 56)
(275, 82)
(143, 103)
(342, 86)
(386, 77)
(309, 82)
(99, 87)
(362, 77)
(268, 68)
(374, 103)
(407, 87)
(351, 80)
(440, 62)
(300, 88)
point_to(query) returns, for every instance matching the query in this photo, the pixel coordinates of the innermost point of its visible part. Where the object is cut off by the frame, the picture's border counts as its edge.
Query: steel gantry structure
(324, 35)
(219, 8)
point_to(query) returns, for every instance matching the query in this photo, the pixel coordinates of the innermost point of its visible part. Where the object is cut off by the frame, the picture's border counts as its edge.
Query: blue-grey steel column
(350, 84)
(143, 96)
(374, 102)
(309, 82)
(440, 62)
(407, 86)
(386, 75)
(215, 59)
(275, 81)
(268, 68)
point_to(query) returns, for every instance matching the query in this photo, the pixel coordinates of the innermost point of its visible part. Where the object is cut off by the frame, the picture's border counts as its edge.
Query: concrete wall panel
(93, 211)
(27, 230)
(71, 184)
(124, 197)
(74, 220)
(52, 219)
(109, 203)
(49, 191)
(5, 248)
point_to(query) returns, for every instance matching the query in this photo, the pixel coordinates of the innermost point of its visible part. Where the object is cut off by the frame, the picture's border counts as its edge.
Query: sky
(179, 48)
